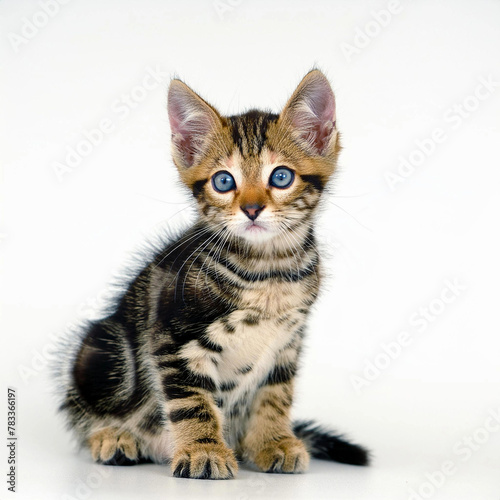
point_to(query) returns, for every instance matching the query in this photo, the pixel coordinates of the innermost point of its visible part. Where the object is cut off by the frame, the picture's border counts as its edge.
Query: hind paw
(111, 446)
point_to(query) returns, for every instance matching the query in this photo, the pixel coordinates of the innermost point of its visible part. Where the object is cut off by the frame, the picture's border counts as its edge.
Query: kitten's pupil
(282, 177)
(223, 182)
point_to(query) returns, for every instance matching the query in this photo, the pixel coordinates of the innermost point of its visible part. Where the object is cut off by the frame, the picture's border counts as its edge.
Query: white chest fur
(248, 344)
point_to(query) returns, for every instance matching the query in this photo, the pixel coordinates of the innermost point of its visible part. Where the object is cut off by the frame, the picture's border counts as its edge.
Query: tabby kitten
(196, 364)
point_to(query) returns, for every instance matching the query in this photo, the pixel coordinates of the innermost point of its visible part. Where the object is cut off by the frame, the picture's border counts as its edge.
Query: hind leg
(112, 446)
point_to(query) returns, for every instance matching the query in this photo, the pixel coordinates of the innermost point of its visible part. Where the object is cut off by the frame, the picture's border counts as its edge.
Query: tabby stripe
(173, 391)
(189, 379)
(202, 381)
(315, 180)
(198, 187)
(279, 410)
(228, 327)
(227, 386)
(281, 374)
(209, 344)
(199, 412)
(216, 277)
(249, 131)
(153, 423)
(245, 369)
(264, 276)
(251, 320)
(206, 440)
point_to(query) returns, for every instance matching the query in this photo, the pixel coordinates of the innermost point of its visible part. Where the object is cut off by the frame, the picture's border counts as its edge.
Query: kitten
(196, 364)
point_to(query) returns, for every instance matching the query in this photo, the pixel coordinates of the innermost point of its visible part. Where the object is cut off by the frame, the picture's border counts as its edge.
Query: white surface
(388, 252)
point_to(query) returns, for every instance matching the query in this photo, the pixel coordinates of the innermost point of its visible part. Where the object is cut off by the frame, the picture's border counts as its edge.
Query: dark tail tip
(326, 445)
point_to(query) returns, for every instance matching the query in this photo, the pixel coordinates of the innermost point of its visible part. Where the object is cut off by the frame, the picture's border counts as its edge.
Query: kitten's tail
(326, 445)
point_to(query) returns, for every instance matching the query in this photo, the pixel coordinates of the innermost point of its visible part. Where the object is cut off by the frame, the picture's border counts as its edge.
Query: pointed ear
(310, 113)
(192, 121)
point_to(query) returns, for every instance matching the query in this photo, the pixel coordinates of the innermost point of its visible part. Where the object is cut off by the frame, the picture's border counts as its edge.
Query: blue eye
(223, 182)
(282, 177)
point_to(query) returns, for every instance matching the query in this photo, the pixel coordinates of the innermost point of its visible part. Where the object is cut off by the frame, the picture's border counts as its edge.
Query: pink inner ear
(176, 113)
(314, 114)
(322, 101)
(318, 134)
(189, 124)
(186, 145)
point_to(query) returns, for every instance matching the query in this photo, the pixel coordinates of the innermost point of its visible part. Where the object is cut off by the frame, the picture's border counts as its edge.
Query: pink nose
(252, 211)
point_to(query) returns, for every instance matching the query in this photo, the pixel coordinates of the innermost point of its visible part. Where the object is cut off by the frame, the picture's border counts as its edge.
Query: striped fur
(196, 364)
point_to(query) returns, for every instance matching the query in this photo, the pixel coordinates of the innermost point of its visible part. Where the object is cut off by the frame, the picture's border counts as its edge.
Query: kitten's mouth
(255, 228)
(255, 232)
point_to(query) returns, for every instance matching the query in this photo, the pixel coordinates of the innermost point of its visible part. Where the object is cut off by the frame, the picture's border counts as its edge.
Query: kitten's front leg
(270, 442)
(195, 423)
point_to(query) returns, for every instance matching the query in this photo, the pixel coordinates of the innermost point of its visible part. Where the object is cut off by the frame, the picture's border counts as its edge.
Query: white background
(388, 251)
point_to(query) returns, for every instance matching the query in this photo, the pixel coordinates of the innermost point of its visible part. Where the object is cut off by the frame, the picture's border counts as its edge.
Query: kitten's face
(259, 197)
(257, 176)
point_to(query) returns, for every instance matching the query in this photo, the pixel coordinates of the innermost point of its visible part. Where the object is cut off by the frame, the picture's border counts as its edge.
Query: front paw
(289, 455)
(205, 461)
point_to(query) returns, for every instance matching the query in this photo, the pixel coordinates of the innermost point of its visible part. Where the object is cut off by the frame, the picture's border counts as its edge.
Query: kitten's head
(256, 176)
